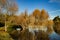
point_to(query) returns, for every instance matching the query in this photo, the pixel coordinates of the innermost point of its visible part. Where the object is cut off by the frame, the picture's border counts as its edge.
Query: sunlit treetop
(44, 14)
(36, 12)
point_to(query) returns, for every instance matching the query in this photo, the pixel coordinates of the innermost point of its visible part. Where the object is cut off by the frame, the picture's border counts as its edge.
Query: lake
(54, 36)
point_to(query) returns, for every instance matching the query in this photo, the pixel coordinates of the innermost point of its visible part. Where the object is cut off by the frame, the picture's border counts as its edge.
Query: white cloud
(54, 11)
(57, 1)
(54, 14)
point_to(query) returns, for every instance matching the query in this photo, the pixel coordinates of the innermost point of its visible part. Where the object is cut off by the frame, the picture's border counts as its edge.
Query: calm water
(54, 36)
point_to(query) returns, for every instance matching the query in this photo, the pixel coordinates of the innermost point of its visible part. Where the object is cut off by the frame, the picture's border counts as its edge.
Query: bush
(5, 36)
(10, 28)
(12, 31)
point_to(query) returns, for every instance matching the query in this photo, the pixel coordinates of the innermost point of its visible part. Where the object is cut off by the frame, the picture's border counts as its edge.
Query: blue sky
(51, 6)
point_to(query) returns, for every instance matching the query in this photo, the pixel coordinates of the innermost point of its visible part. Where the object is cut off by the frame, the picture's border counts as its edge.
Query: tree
(13, 8)
(3, 5)
(44, 15)
(22, 19)
(43, 18)
(56, 26)
(36, 14)
(9, 6)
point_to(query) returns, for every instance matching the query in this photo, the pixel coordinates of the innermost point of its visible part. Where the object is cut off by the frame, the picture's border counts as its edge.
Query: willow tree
(8, 7)
(13, 8)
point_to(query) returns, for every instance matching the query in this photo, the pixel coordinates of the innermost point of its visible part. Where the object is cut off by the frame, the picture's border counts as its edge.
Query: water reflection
(54, 36)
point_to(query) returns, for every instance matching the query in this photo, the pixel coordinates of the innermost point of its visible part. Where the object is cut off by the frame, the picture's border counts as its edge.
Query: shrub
(5, 36)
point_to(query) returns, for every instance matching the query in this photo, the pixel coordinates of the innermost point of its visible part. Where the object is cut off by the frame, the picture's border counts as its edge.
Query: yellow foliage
(36, 12)
(44, 14)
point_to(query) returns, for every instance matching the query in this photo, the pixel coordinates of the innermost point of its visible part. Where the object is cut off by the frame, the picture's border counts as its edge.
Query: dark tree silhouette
(56, 26)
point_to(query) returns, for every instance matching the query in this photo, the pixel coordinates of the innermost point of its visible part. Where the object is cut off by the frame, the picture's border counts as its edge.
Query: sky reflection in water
(54, 36)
